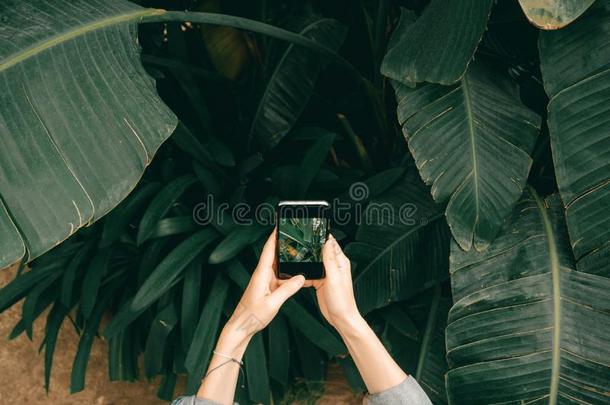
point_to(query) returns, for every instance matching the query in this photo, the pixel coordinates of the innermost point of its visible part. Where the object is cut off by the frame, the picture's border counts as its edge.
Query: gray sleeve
(407, 392)
(193, 400)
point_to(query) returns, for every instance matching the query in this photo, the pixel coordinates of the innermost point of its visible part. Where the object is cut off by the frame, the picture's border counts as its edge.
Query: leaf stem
(555, 271)
(178, 65)
(430, 326)
(258, 27)
(365, 160)
(380, 32)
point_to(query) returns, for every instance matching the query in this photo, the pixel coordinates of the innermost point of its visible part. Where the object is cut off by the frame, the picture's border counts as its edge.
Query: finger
(265, 268)
(329, 257)
(286, 290)
(279, 282)
(343, 262)
(268, 254)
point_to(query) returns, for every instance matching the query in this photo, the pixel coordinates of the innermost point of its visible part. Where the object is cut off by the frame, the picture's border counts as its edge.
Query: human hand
(335, 292)
(258, 305)
(264, 294)
(338, 305)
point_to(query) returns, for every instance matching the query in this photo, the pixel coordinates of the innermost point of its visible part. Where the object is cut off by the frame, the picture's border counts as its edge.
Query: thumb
(286, 290)
(329, 257)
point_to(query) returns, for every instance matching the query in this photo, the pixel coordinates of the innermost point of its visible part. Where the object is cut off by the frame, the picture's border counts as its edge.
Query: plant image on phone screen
(301, 239)
(302, 231)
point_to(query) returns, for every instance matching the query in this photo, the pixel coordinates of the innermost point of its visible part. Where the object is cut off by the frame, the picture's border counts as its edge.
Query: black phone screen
(302, 232)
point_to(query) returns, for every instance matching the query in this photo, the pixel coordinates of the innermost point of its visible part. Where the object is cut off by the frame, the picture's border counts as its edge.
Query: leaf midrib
(555, 277)
(427, 338)
(473, 149)
(71, 34)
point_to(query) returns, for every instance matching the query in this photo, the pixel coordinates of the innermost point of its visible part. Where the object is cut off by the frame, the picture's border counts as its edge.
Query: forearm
(222, 374)
(377, 368)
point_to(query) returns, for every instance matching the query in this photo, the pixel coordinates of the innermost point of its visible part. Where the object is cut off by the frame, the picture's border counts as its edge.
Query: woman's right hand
(335, 292)
(338, 305)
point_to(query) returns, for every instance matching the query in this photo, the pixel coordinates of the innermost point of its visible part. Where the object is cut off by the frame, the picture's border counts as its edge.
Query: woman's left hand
(259, 304)
(264, 294)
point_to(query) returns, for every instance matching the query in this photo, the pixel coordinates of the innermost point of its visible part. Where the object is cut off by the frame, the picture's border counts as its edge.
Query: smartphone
(303, 228)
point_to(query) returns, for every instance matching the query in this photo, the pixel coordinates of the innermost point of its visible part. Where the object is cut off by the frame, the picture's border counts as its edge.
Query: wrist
(351, 326)
(234, 337)
(232, 341)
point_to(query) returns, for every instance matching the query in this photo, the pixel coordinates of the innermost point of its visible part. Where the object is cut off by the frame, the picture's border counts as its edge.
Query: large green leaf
(472, 142)
(422, 353)
(526, 327)
(401, 246)
(93, 281)
(553, 14)
(161, 204)
(575, 64)
(256, 370)
(85, 343)
(123, 350)
(438, 46)
(38, 298)
(235, 242)
(23, 283)
(312, 161)
(117, 221)
(55, 319)
(13, 248)
(204, 338)
(279, 349)
(291, 84)
(79, 118)
(431, 363)
(168, 272)
(191, 295)
(70, 273)
(395, 316)
(161, 327)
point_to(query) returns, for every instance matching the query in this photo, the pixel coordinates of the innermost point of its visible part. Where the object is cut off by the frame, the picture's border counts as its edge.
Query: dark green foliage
(530, 320)
(255, 363)
(577, 81)
(356, 105)
(200, 350)
(161, 327)
(438, 46)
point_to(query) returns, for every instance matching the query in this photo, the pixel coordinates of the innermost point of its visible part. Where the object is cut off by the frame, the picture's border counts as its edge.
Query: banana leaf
(575, 64)
(526, 327)
(401, 246)
(472, 143)
(292, 83)
(79, 118)
(438, 46)
(553, 14)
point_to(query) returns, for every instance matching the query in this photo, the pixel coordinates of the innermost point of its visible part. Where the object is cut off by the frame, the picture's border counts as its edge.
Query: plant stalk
(258, 27)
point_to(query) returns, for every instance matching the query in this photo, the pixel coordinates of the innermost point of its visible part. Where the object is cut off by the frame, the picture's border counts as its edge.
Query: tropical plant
(489, 286)
(301, 239)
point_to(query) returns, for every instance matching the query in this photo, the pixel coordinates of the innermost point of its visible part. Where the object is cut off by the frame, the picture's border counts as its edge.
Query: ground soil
(22, 381)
